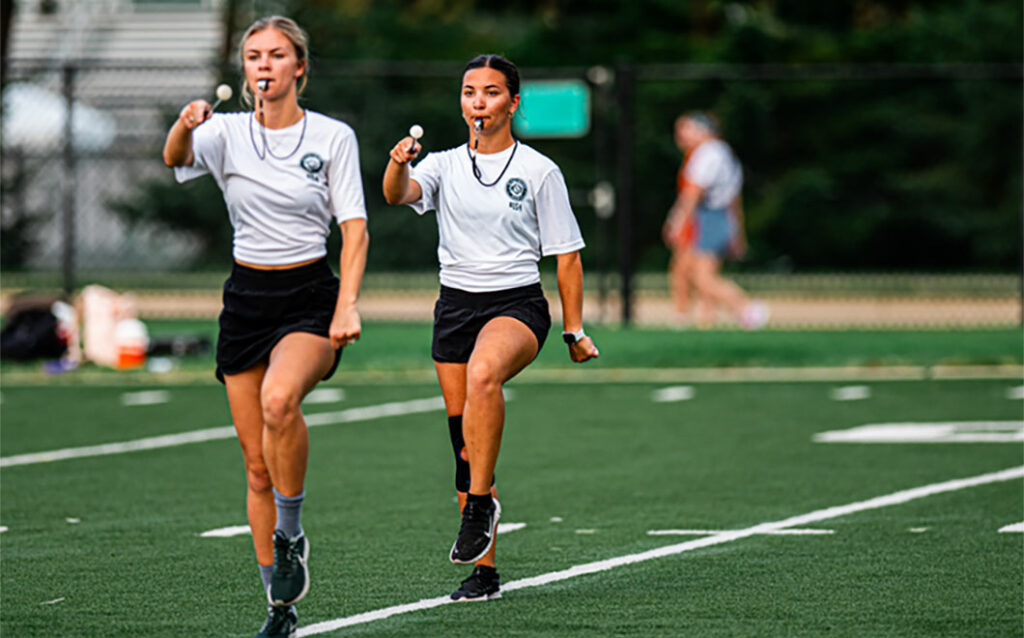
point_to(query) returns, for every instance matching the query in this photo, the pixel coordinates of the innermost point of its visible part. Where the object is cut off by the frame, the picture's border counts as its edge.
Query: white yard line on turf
(350, 415)
(708, 532)
(240, 530)
(896, 498)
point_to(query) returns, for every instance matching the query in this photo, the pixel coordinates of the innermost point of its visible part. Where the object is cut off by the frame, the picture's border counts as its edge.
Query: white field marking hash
(917, 530)
(709, 532)
(673, 394)
(1016, 527)
(325, 395)
(367, 413)
(3, 528)
(505, 528)
(850, 393)
(53, 602)
(146, 397)
(941, 432)
(896, 498)
(73, 521)
(1015, 393)
(227, 532)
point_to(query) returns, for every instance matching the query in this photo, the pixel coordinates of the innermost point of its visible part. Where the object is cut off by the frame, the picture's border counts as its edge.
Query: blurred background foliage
(884, 162)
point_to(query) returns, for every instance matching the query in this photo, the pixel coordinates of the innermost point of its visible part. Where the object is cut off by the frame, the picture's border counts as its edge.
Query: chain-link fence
(87, 198)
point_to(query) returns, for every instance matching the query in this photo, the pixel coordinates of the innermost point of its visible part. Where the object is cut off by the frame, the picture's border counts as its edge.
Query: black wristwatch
(572, 338)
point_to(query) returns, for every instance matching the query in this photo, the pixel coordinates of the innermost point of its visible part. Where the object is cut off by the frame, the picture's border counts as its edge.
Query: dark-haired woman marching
(501, 206)
(286, 173)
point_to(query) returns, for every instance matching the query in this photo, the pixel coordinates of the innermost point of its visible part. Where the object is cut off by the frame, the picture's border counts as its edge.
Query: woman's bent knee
(482, 378)
(258, 479)
(280, 405)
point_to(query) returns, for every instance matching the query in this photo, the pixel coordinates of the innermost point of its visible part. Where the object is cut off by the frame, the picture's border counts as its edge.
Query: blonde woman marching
(286, 173)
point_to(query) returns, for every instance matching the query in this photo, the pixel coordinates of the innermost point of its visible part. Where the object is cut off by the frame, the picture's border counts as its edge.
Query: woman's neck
(494, 143)
(278, 113)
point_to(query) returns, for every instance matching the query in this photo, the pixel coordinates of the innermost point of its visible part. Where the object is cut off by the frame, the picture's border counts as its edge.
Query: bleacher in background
(186, 31)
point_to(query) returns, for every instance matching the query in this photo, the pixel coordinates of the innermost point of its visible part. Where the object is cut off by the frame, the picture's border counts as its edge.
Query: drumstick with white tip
(223, 93)
(416, 131)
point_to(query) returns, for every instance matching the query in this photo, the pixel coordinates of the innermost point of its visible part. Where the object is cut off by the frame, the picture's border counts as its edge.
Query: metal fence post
(625, 77)
(68, 185)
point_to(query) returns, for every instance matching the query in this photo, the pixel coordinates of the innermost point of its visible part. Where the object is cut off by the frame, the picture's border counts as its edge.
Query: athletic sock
(289, 511)
(483, 499)
(265, 572)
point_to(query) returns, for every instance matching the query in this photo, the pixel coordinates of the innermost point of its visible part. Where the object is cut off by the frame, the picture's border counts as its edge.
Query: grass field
(110, 544)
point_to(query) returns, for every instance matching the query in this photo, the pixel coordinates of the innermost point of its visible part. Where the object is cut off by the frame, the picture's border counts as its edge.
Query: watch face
(569, 338)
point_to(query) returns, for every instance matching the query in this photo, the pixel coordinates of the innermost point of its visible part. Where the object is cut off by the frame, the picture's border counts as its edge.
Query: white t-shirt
(714, 168)
(280, 209)
(491, 238)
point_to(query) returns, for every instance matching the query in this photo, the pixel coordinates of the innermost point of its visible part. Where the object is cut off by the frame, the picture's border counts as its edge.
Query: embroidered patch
(516, 189)
(311, 163)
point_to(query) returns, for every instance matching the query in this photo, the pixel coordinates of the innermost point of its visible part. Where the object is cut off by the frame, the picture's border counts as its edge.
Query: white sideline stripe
(146, 397)
(227, 532)
(397, 408)
(895, 498)
(1016, 527)
(708, 532)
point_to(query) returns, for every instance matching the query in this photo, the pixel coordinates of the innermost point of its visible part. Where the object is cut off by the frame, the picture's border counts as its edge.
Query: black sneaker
(289, 581)
(479, 524)
(483, 584)
(281, 623)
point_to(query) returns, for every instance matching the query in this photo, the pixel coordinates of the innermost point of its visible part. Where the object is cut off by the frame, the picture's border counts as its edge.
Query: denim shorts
(715, 230)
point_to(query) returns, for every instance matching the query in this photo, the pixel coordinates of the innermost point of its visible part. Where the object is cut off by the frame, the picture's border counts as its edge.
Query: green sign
(553, 108)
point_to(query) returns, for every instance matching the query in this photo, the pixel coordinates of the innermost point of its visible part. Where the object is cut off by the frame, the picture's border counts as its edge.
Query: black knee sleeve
(459, 448)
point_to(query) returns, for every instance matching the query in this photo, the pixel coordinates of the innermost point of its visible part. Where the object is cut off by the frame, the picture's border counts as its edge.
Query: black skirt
(262, 306)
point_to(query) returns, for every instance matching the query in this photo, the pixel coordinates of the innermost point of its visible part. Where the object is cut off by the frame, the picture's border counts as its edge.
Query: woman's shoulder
(535, 160)
(445, 155)
(325, 124)
(714, 148)
(231, 119)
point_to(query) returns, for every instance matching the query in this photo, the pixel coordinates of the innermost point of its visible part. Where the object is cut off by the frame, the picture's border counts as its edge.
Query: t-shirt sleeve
(559, 232)
(347, 201)
(707, 163)
(207, 152)
(428, 175)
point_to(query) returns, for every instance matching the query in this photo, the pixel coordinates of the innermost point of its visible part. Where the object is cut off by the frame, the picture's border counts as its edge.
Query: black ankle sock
(482, 499)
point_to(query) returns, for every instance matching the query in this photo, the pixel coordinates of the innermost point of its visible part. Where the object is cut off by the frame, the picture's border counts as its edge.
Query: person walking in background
(679, 240)
(709, 201)
(501, 206)
(286, 172)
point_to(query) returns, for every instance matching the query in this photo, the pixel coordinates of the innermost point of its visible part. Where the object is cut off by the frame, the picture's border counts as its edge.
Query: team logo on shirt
(312, 164)
(516, 189)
